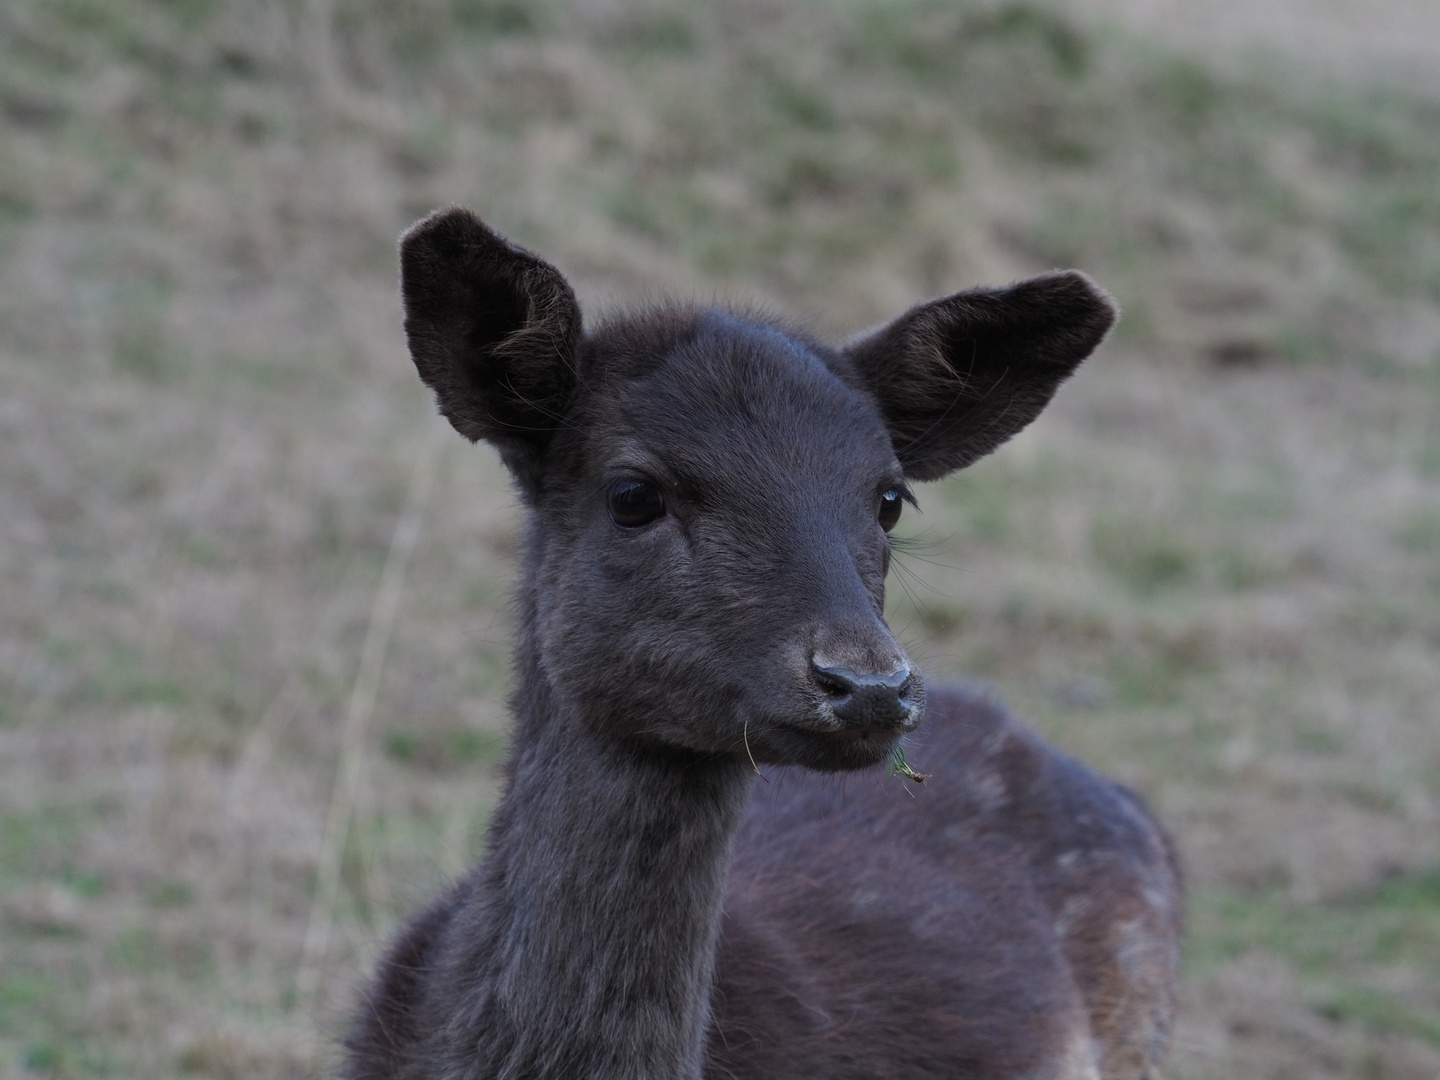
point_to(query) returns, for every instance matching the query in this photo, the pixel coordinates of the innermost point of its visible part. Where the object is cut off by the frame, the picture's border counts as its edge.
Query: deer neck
(592, 951)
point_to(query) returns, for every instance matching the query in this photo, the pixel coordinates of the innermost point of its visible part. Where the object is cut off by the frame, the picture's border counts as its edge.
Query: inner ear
(493, 330)
(957, 376)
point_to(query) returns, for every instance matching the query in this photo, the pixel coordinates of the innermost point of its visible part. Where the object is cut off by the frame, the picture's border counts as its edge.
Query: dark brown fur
(638, 913)
(1016, 912)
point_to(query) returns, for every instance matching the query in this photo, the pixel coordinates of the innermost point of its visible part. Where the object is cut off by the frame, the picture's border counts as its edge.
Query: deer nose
(865, 701)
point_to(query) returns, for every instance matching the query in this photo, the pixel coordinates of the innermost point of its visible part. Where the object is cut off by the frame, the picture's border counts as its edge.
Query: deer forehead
(736, 402)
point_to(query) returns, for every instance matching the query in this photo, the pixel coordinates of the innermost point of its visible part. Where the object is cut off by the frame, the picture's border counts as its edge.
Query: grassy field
(254, 637)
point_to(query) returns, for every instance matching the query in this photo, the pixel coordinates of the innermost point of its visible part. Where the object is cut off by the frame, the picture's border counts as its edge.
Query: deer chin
(829, 749)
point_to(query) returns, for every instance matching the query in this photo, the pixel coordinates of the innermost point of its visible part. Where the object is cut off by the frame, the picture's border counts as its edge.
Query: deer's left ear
(957, 376)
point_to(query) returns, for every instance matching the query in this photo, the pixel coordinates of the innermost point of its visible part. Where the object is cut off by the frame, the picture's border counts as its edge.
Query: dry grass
(252, 660)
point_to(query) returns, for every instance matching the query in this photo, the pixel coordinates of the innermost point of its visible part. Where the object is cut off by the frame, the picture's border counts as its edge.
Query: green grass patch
(84, 884)
(983, 502)
(41, 843)
(1377, 1010)
(1419, 533)
(170, 893)
(1240, 567)
(1159, 672)
(125, 676)
(1144, 555)
(1320, 741)
(65, 1059)
(1351, 953)
(495, 17)
(455, 748)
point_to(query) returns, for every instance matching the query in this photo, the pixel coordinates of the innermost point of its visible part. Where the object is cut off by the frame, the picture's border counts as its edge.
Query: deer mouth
(847, 735)
(832, 749)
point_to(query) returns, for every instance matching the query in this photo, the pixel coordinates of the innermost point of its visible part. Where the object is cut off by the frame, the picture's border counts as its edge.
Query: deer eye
(634, 503)
(890, 503)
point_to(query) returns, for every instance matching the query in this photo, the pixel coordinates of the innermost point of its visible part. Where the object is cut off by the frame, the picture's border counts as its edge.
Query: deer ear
(493, 331)
(958, 376)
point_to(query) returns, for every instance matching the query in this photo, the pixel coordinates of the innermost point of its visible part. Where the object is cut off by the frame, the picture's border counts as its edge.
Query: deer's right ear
(493, 331)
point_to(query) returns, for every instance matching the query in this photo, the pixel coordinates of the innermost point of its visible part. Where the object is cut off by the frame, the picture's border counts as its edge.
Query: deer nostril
(863, 700)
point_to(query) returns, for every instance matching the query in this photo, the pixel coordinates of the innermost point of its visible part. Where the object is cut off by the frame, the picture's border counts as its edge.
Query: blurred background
(253, 620)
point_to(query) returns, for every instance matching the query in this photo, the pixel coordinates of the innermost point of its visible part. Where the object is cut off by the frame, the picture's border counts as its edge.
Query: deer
(708, 496)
